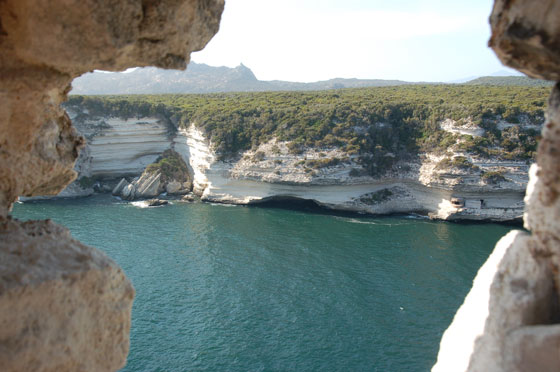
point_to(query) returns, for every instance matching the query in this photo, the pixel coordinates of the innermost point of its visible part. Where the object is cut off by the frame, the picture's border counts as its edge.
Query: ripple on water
(255, 289)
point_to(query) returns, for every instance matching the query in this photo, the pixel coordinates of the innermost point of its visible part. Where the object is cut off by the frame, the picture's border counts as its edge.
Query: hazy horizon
(504, 71)
(311, 40)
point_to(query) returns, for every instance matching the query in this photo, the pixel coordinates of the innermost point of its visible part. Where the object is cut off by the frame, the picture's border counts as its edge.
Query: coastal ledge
(430, 184)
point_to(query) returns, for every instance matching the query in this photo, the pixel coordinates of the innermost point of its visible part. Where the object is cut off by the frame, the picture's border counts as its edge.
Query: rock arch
(65, 306)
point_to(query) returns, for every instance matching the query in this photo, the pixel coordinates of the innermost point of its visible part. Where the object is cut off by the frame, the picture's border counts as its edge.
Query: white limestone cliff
(117, 147)
(272, 172)
(330, 177)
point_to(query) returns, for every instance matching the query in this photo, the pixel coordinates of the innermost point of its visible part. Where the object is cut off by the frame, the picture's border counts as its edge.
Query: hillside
(449, 151)
(201, 78)
(510, 81)
(396, 120)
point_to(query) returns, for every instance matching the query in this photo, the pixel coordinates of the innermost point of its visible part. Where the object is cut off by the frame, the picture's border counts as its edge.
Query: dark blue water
(251, 289)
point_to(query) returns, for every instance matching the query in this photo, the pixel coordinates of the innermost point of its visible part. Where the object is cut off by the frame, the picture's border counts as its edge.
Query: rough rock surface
(120, 186)
(148, 185)
(44, 45)
(63, 306)
(412, 187)
(513, 289)
(173, 187)
(510, 320)
(525, 36)
(533, 348)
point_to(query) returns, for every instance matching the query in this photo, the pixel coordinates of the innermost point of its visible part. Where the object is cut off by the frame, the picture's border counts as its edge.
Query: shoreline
(310, 206)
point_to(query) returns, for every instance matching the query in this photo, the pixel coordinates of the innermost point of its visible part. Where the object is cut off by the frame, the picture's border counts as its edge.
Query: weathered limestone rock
(148, 185)
(533, 348)
(511, 290)
(76, 36)
(173, 187)
(128, 192)
(188, 198)
(63, 306)
(156, 202)
(44, 45)
(510, 321)
(542, 212)
(525, 36)
(120, 186)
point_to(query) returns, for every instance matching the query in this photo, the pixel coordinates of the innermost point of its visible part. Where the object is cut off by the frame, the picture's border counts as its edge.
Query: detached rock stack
(168, 174)
(65, 306)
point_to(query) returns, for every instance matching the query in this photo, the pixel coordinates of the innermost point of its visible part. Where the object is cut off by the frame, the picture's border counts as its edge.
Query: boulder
(148, 185)
(128, 192)
(117, 191)
(64, 306)
(188, 198)
(173, 187)
(156, 202)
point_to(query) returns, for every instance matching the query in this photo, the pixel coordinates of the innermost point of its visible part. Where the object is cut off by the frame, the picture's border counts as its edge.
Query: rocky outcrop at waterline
(450, 185)
(168, 174)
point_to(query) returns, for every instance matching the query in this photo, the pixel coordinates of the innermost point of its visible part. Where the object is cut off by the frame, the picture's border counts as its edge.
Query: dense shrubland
(170, 165)
(379, 125)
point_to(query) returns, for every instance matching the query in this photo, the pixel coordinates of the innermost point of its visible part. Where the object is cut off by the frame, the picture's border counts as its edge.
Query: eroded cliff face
(436, 184)
(119, 147)
(272, 171)
(64, 306)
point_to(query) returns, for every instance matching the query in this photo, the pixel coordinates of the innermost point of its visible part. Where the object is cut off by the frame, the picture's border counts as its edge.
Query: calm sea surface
(223, 288)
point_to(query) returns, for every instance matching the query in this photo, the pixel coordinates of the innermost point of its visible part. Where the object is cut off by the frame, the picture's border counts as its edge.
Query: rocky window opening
(67, 306)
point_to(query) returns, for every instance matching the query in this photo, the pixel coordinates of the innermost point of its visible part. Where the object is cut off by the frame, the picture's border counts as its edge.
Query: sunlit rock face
(64, 306)
(510, 321)
(525, 36)
(270, 171)
(119, 147)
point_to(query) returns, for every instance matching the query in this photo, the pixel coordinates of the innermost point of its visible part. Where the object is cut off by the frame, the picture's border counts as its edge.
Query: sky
(311, 40)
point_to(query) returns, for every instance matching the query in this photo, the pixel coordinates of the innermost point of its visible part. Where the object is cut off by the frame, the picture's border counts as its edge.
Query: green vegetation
(323, 163)
(493, 177)
(259, 156)
(381, 125)
(510, 81)
(170, 165)
(376, 197)
(459, 162)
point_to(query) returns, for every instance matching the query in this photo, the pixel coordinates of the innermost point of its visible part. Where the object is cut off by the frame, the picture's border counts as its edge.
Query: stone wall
(65, 306)
(510, 320)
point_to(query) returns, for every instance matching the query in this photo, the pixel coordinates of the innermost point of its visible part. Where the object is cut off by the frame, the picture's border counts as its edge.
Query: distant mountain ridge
(202, 78)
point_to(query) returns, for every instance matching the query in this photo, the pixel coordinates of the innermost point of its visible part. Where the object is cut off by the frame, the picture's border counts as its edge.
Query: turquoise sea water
(223, 288)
